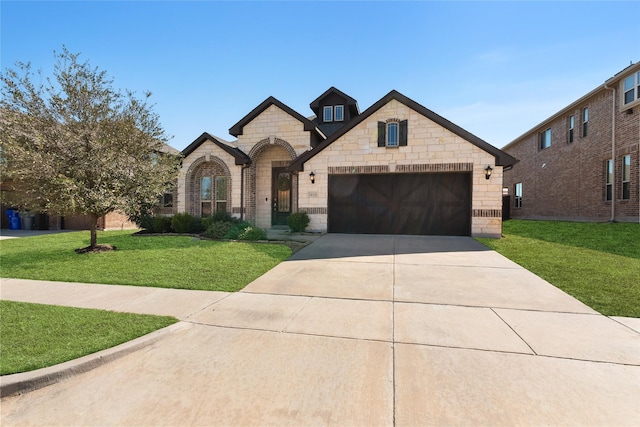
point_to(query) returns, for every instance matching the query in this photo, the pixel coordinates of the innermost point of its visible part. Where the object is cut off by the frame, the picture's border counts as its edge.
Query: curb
(11, 385)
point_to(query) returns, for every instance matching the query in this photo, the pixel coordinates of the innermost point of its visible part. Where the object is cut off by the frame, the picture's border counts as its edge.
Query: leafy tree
(73, 145)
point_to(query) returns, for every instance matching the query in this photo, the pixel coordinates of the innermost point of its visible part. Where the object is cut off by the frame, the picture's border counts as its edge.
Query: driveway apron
(357, 330)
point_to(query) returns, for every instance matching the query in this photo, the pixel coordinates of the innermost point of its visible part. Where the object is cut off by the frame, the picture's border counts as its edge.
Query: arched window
(213, 195)
(208, 187)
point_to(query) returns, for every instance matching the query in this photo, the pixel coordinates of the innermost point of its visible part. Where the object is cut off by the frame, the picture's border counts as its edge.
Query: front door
(281, 196)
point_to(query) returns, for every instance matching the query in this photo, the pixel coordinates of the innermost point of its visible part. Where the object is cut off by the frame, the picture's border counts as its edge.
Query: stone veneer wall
(273, 139)
(431, 148)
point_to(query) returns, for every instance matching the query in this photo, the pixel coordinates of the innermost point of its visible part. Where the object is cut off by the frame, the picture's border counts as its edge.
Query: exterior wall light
(312, 177)
(487, 171)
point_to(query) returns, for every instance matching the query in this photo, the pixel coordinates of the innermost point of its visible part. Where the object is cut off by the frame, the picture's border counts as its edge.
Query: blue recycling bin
(14, 219)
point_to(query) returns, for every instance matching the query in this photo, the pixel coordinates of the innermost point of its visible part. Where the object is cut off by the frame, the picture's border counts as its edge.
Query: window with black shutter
(393, 133)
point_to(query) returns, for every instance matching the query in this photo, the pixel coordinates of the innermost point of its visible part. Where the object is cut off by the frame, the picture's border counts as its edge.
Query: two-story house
(582, 163)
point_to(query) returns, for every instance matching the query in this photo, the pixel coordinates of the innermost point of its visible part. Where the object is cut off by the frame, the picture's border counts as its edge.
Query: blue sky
(495, 68)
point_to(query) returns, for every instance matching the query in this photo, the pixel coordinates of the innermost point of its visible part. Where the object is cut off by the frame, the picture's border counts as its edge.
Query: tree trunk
(94, 231)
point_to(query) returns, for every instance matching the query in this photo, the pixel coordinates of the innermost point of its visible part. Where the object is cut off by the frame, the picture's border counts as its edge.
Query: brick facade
(567, 180)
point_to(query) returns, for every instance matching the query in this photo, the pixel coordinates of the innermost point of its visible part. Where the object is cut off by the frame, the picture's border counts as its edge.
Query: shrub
(223, 216)
(145, 222)
(218, 230)
(161, 224)
(298, 221)
(234, 232)
(206, 222)
(253, 233)
(183, 223)
(196, 226)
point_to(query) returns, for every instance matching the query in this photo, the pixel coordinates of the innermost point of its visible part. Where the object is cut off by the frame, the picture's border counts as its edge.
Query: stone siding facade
(430, 148)
(274, 136)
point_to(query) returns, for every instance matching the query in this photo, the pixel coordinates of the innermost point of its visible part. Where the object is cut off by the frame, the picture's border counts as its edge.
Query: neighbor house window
(545, 139)
(572, 124)
(631, 88)
(338, 111)
(205, 195)
(327, 114)
(609, 181)
(167, 200)
(518, 193)
(392, 133)
(221, 193)
(585, 121)
(626, 177)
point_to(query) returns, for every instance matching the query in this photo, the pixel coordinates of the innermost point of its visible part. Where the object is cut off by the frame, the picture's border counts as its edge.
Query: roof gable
(351, 103)
(308, 125)
(502, 158)
(240, 157)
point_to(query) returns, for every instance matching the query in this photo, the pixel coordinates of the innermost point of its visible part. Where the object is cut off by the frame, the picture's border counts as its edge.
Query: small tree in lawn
(74, 145)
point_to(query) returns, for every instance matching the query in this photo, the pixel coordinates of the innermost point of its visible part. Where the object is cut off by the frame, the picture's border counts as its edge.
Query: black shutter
(382, 128)
(403, 133)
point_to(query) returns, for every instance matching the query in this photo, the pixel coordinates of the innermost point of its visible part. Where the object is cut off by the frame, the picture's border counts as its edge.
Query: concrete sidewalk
(354, 330)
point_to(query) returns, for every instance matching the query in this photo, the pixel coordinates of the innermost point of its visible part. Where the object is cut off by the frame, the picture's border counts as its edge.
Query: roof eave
(606, 85)
(239, 156)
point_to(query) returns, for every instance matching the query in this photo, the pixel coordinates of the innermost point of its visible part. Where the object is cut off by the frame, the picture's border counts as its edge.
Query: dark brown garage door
(425, 204)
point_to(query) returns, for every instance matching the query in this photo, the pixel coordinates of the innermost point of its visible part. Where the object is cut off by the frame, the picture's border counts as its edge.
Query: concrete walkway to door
(356, 330)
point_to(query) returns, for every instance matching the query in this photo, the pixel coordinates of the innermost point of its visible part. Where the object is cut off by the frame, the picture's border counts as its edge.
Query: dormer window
(327, 114)
(338, 113)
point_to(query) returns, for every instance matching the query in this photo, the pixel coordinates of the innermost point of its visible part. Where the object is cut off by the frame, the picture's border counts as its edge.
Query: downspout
(242, 169)
(613, 151)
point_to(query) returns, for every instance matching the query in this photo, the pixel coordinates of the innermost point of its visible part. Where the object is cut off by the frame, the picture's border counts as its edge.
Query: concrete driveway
(354, 330)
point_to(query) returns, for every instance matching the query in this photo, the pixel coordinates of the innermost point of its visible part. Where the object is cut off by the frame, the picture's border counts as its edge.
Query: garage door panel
(433, 203)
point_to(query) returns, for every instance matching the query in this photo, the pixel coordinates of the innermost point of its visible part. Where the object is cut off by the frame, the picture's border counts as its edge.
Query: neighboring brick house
(396, 168)
(112, 221)
(582, 163)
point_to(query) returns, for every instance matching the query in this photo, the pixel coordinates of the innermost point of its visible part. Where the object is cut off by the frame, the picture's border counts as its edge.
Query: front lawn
(598, 263)
(34, 336)
(181, 262)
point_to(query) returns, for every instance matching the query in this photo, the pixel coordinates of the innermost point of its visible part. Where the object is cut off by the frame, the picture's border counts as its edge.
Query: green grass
(598, 263)
(161, 261)
(34, 336)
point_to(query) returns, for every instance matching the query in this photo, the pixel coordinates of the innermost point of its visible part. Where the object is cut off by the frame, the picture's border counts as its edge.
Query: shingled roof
(502, 158)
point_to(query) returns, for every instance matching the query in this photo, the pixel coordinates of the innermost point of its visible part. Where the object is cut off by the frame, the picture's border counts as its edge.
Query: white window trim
(635, 89)
(625, 181)
(517, 201)
(326, 109)
(584, 122)
(335, 113)
(543, 136)
(608, 180)
(571, 135)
